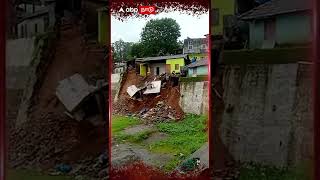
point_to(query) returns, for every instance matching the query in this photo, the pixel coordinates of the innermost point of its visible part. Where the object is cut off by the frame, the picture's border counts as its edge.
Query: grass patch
(184, 138)
(194, 79)
(172, 164)
(30, 175)
(135, 138)
(258, 172)
(119, 123)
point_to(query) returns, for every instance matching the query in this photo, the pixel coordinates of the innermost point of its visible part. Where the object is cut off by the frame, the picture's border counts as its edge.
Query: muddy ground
(50, 137)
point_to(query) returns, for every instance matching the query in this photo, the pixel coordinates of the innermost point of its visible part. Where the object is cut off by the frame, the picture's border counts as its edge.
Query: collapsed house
(82, 100)
(148, 88)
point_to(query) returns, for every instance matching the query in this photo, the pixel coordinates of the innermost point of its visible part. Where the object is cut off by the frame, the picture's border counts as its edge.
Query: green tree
(160, 36)
(121, 50)
(137, 50)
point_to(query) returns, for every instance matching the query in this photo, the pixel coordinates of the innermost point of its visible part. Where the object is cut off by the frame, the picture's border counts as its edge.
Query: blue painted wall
(293, 29)
(290, 29)
(201, 70)
(256, 34)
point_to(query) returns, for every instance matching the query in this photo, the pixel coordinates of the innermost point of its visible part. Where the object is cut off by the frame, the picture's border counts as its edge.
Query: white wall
(154, 66)
(29, 27)
(267, 117)
(29, 7)
(194, 97)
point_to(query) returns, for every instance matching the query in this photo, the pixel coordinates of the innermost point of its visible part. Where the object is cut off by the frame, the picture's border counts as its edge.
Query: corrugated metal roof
(276, 7)
(198, 63)
(161, 58)
(35, 14)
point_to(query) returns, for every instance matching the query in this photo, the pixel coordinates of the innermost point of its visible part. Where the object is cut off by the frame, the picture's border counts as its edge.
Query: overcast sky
(129, 30)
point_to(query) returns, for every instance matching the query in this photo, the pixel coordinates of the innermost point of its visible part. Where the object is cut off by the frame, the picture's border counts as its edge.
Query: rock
(160, 103)
(171, 117)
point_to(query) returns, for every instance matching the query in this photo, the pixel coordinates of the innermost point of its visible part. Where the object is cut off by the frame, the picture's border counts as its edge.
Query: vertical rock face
(194, 97)
(267, 117)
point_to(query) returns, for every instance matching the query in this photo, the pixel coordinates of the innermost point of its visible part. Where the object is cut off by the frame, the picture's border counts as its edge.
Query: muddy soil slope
(50, 137)
(169, 95)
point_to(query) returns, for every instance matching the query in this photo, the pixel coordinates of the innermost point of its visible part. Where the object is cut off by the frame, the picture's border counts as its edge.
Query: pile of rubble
(42, 141)
(161, 113)
(151, 99)
(49, 143)
(94, 168)
(55, 139)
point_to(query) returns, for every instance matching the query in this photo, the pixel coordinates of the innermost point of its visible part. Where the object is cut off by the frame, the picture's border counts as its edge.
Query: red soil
(169, 95)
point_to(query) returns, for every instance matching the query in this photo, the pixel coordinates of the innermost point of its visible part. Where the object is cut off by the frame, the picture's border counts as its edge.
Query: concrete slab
(125, 154)
(138, 129)
(132, 90)
(73, 90)
(156, 86)
(156, 137)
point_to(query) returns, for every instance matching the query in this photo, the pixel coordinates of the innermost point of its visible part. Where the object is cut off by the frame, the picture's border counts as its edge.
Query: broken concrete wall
(115, 85)
(266, 113)
(194, 97)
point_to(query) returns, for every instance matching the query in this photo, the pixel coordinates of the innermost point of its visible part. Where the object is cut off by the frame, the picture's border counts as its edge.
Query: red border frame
(2, 89)
(110, 91)
(210, 124)
(209, 86)
(316, 88)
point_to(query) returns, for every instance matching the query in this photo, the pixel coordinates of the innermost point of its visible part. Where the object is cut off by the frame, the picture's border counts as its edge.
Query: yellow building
(161, 64)
(220, 11)
(103, 26)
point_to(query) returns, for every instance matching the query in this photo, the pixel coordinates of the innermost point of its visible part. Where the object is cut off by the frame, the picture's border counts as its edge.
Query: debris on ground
(132, 90)
(190, 165)
(198, 161)
(153, 87)
(76, 94)
(50, 137)
(161, 113)
(162, 104)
